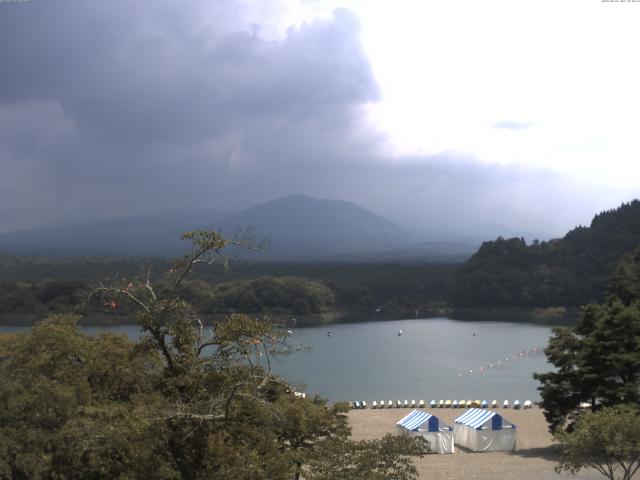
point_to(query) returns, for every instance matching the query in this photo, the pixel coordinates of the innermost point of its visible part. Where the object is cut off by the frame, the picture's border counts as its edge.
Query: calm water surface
(434, 358)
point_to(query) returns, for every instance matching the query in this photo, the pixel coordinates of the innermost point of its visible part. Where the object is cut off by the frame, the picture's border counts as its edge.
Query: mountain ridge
(299, 226)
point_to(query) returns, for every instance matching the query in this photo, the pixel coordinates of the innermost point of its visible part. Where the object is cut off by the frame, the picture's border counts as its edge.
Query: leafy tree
(598, 361)
(607, 441)
(226, 402)
(389, 458)
(228, 414)
(78, 406)
(185, 402)
(301, 423)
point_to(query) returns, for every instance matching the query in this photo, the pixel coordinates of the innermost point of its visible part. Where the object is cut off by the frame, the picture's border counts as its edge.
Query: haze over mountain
(108, 108)
(298, 227)
(150, 235)
(303, 226)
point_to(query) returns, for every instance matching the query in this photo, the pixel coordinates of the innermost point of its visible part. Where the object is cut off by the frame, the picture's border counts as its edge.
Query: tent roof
(477, 417)
(415, 419)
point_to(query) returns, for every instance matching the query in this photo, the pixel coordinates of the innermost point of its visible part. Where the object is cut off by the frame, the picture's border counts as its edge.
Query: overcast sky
(434, 114)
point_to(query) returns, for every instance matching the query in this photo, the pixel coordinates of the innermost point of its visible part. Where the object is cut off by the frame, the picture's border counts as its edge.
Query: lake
(434, 358)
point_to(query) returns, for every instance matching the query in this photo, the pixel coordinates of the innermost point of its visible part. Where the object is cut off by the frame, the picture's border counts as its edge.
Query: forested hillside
(32, 288)
(569, 271)
(504, 273)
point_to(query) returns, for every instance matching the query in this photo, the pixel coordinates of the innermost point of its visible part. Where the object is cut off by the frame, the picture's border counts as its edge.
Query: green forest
(313, 293)
(504, 275)
(569, 271)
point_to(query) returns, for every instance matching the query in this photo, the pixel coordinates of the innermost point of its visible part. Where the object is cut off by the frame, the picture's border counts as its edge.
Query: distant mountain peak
(298, 225)
(304, 217)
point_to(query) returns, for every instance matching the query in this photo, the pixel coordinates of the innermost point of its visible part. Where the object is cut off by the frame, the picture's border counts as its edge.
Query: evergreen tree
(570, 271)
(598, 361)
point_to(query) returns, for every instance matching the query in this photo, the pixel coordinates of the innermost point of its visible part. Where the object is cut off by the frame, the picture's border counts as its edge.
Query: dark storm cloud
(147, 98)
(158, 75)
(119, 107)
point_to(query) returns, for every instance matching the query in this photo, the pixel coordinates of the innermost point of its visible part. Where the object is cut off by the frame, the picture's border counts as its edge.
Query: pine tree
(599, 361)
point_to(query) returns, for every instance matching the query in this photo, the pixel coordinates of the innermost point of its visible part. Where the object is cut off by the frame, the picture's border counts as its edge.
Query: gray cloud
(124, 104)
(116, 108)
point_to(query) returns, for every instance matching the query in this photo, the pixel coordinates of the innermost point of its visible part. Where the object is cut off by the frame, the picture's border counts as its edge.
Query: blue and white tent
(422, 424)
(482, 430)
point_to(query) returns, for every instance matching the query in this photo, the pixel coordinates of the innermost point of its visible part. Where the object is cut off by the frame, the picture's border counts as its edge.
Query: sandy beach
(533, 460)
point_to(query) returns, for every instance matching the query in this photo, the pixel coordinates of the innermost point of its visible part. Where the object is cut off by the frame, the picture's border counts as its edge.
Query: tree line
(570, 271)
(312, 293)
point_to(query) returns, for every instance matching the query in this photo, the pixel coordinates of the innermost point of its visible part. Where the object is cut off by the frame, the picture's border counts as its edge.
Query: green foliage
(389, 458)
(184, 402)
(607, 441)
(598, 361)
(99, 406)
(570, 271)
(79, 406)
(304, 291)
(625, 281)
(271, 295)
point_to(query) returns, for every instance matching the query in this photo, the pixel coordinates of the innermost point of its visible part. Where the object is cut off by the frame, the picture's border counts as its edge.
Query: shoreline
(534, 459)
(552, 316)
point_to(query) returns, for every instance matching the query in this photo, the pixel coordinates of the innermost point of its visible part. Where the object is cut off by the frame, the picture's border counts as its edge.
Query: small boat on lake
(399, 333)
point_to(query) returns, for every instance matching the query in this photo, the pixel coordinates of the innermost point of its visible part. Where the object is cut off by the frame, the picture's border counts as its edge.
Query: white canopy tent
(422, 424)
(482, 430)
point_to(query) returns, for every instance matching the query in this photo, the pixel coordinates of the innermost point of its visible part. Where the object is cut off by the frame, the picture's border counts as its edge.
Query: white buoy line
(497, 364)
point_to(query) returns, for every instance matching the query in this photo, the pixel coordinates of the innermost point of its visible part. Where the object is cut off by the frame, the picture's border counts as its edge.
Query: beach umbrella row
(359, 404)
